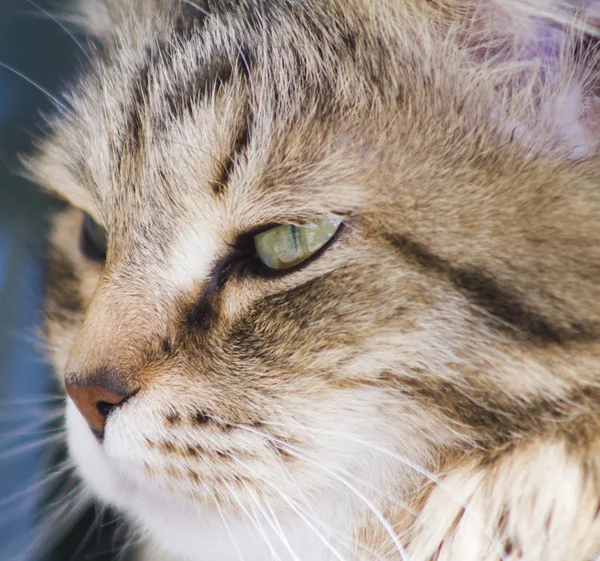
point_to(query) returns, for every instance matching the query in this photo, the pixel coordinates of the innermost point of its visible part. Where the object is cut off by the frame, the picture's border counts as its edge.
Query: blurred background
(41, 516)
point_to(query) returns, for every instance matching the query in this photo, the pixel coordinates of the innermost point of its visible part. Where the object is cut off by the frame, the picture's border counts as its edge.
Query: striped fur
(426, 388)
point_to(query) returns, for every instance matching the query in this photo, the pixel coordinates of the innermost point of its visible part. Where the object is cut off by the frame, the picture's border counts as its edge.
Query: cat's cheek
(92, 464)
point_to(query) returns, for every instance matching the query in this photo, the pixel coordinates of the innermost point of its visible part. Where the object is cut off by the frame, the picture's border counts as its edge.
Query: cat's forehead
(201, 115)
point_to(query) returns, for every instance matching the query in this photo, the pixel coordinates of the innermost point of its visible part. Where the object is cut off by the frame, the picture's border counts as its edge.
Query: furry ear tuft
(552, 47)
(521, 15)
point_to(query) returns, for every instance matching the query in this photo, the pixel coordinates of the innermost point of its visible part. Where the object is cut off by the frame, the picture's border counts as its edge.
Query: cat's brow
(220, 185)
(187, 92)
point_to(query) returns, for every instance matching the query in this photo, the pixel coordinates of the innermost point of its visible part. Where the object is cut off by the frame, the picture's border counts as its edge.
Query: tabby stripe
(186, 27)
(219, 187)
(484, 291)
(182, 98)
(495, 421)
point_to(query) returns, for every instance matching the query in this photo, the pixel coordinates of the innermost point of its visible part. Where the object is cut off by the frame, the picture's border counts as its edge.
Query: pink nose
(95, 403)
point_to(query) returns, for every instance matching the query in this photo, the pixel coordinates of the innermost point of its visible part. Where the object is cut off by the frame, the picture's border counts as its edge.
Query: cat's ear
(541, 22)
(547, 54)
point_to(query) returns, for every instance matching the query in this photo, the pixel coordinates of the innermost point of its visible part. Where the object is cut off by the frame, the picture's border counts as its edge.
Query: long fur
(426, 388)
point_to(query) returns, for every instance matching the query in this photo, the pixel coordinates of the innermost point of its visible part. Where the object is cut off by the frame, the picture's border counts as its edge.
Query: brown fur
(454, 319)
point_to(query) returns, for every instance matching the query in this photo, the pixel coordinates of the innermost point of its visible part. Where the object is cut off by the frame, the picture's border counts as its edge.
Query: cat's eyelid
(94, 215)
(282, 221)
(244, 239)
(77, 203)
(58, 183)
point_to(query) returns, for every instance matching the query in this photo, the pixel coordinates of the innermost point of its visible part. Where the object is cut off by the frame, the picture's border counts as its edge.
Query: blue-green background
(37, 47)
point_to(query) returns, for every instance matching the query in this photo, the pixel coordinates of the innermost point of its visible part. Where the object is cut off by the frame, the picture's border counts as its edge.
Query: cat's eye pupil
(93, 240)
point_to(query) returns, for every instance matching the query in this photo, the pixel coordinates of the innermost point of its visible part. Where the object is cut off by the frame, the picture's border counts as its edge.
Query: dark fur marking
(192, 18)
(281, 451)
(485, 292)
(194, 475)
(217, 72)
(495, 423)
(200, 316)
(173, 418)
(167, 447)
(219, 187)
(255, 334)
(193, 451)
(183, 97)
(185, 27)
(167, 347)
(134, 123)
(98, 434)
(200, 418)
(349, 40)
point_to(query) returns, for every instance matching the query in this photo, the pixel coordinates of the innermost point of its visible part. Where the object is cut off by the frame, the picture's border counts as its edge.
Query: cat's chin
(193, 532)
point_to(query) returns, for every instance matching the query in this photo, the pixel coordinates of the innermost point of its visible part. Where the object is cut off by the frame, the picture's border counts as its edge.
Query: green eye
(285, 246)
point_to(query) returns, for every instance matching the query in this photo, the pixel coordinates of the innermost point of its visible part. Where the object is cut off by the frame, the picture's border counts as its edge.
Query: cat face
(460, 262)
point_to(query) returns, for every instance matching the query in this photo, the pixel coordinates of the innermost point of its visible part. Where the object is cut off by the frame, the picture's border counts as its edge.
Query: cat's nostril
(104, 408)
(95, 404)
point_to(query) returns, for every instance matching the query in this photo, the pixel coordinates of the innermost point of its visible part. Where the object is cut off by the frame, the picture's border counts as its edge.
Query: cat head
(316, 250)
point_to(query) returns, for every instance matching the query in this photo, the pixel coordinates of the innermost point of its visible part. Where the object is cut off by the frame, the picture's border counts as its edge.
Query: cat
(329, 284)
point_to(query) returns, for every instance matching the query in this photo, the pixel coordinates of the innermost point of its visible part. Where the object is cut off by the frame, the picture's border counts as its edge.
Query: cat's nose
(95, 404)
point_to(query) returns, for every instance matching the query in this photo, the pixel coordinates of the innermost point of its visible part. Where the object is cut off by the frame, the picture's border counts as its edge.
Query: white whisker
(272, 521)
(61, 522)
(298, 453)
(133, 540)
(41, 414)
(342, 471)
(61, 436)
(227, 528)
(407, 462)
(26, 499)
(252, 517)
(295, 509)
(310, 512)
(37, 485)
(96, 524)
(36, 85)
(33, 400)
(29, 430)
